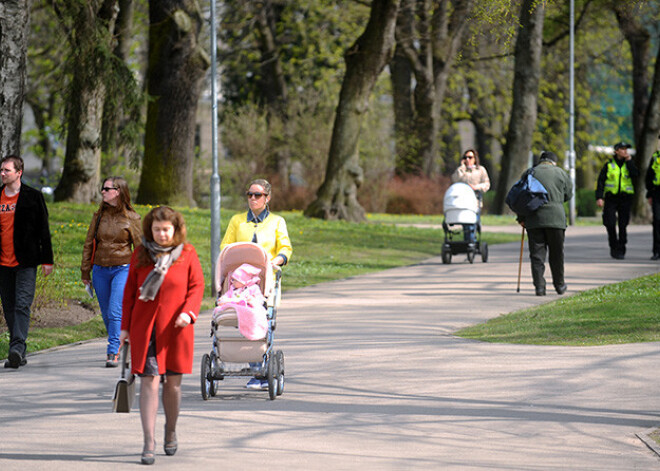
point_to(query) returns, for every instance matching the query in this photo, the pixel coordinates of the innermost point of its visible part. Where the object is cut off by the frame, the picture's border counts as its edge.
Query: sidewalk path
(375, 381)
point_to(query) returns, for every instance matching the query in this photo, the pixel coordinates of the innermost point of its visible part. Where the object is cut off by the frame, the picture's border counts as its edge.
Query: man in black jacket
(614, 193)
(24, 244)
(653, 195)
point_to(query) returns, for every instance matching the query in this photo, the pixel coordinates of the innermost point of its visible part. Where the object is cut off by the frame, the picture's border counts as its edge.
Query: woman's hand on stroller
(183, 320)
(123, 337)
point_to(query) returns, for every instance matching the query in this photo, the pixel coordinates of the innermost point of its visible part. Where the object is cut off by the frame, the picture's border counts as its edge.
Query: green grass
(41, 339)
(323, 251)
(624, 312)
(486, 219)
(330, 250)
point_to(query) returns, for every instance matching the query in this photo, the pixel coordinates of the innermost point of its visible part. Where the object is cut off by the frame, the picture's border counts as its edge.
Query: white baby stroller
(461, 207)
(231, 353)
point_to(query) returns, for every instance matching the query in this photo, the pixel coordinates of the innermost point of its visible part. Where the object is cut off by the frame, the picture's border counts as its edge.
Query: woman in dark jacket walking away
(114, 232)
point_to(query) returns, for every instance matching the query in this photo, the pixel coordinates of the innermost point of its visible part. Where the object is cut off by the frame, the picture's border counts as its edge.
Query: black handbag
(124, 396)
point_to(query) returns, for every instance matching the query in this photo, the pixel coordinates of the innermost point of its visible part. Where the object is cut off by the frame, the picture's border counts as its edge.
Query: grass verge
(49, 337)
(323, 251)
(625, 312)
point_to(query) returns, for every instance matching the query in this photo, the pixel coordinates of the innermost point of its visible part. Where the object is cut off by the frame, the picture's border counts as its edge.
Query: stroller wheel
(446, 257)
(213, 384)
(280, 372)
(470, 256)
(272, 377)
(205, 376)
(484, 252)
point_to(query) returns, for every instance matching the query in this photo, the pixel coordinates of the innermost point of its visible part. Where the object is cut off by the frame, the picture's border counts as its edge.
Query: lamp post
(571, 118)
(215, 177)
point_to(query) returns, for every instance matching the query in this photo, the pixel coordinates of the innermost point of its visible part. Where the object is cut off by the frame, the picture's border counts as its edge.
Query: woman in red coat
(162, 297)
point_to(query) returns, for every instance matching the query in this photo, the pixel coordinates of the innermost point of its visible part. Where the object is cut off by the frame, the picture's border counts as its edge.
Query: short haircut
(18, 162)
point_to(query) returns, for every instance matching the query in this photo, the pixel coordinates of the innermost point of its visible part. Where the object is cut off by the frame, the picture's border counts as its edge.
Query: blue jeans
(470, 233)
(17, 285)
(109, 285)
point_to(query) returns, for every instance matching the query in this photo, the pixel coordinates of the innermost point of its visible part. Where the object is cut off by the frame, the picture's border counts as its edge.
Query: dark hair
(262, 183)
(476, 156)
(547, 155)
(18, 162)
(124, 193)
(161, 213)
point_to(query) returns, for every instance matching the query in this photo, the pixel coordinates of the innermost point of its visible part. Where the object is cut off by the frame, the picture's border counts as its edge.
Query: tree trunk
(114, 113)
(438, 26)
(527, 72)
(448, 22)
(639, 40)
(365, 60)
(41, 115)
(401, 78)
(648, 142)
(14, 19)
(274, 86)
(177, 63)
(87, 93)
(274, 83)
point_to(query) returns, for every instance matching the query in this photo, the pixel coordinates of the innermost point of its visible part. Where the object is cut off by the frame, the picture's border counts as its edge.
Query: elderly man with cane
(546, 226)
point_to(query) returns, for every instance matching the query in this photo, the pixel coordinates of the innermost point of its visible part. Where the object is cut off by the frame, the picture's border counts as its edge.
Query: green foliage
(311, 37)
(41, 339)
(619, 313)
(45, 85)
(69, 223)
(253, 140)
(585, 202)
(323, 251)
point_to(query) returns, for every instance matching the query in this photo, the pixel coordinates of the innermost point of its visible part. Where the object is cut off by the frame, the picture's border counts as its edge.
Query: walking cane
(522, 243)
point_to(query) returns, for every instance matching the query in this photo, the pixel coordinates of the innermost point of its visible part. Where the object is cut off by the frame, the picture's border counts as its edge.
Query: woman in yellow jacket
(262, 227)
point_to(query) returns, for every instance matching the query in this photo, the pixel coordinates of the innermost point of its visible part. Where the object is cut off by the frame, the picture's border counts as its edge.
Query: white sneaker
(257, 384)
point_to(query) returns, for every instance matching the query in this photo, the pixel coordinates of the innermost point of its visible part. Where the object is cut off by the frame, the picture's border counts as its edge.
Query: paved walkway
(375, 381)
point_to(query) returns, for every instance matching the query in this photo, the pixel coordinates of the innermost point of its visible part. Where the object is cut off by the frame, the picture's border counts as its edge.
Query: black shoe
(618, 256)
(656, 256)
(14, 360)
(540, 291)
(561, 289)
(8, 364)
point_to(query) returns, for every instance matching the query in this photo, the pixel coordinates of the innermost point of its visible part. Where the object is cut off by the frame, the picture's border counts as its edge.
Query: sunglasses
(108, 188)
(255, 195)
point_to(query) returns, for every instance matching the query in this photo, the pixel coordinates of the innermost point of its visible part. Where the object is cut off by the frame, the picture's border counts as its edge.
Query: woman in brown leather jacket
(113, 234)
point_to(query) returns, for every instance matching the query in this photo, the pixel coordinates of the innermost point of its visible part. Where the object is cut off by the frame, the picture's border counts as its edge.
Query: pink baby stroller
(232, 354)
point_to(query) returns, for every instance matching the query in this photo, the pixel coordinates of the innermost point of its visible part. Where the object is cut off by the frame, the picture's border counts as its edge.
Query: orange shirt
(7, 209)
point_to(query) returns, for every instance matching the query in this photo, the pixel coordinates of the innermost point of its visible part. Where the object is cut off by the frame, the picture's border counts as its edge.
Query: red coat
(182, 291)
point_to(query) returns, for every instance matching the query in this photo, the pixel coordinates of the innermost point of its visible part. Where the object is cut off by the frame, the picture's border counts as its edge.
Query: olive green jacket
(558, 184)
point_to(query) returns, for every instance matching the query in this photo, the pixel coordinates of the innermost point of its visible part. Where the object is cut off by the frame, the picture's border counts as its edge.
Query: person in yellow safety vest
(653, 195)
(614, 193)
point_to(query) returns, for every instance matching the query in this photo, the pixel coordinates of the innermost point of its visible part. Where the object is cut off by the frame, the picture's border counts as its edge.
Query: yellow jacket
(270, 233)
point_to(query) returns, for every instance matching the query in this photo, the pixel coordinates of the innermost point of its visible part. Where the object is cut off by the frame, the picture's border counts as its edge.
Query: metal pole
(571, 119)
(215, 177)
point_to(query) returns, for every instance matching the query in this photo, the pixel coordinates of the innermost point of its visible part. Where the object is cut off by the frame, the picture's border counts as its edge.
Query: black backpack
(527, 195)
